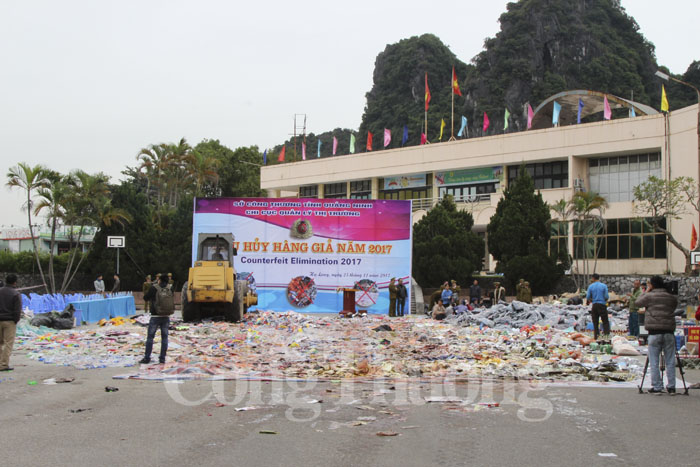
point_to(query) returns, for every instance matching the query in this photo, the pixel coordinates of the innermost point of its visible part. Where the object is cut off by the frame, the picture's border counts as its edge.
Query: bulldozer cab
(216, 247)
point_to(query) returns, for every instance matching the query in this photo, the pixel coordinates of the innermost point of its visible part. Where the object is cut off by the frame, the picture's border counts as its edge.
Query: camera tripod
(662, 370)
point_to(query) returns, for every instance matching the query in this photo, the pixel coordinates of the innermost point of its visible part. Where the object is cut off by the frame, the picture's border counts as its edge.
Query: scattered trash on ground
(294, 346)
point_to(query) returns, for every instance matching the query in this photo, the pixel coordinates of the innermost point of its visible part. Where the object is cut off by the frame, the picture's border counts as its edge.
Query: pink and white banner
(297, 252)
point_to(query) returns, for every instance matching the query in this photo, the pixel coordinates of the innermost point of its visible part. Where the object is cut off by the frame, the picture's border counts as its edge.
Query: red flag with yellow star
(427, 93)
(455, 83)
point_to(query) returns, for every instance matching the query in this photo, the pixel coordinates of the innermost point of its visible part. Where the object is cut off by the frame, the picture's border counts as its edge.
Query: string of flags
(463, 129)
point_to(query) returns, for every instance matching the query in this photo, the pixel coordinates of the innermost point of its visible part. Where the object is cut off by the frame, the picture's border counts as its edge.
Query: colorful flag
(404, 139)
(265, 157)
(387, 137)
(486, 122)
(664, 100)
(318, 150)
(423, 138)
(455, 83)
(369, 141)
(632, 112)
(607, 113)
(352, 144)
(556, 109)
(530, 114)
(427, 93)
(580, 109)
(464, 125)
(693, 238)
(335, 145)
(442, 127)
(506, 115)
(303, 150)
(281, 156)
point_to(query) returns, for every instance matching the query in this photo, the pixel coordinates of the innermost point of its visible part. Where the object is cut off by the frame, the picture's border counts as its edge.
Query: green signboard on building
(462, 177)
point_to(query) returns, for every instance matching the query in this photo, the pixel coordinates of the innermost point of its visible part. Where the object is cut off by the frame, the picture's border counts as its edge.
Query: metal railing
(468, 200)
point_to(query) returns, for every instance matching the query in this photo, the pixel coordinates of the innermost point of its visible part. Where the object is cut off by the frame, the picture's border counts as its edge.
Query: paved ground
(155, 423)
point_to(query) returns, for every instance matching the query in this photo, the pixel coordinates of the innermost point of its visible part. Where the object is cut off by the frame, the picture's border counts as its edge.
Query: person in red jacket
(697, 312)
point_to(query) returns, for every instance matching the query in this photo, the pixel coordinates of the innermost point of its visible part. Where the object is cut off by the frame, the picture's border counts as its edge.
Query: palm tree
(52, 200)
(29, 179)
(587, 209)
(202, 169)
(155, 159)
(82, 206)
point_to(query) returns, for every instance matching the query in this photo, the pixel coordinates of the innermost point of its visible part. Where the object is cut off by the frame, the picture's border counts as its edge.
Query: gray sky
(86, 84)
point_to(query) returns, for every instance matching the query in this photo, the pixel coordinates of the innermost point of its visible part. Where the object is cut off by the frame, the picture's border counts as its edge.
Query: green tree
(521, 216)
(586, 209)
(239, 170)
(518, 235)
(663, 199)
(444, 246)
(30, 179)
(52, 199)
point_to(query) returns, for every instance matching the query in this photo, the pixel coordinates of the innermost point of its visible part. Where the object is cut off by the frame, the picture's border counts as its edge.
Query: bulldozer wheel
(235, 310)
(190, 311)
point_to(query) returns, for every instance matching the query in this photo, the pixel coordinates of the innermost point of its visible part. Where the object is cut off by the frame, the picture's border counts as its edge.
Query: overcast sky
(86, 84)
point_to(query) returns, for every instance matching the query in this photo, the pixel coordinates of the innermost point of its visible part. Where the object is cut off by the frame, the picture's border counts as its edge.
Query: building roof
(593, 102)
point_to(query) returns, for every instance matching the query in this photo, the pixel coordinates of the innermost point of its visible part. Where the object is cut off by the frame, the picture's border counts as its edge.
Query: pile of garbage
(516, 314)
(268, 345)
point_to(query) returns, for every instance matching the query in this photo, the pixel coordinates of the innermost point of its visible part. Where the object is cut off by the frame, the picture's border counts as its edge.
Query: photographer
(660, 321)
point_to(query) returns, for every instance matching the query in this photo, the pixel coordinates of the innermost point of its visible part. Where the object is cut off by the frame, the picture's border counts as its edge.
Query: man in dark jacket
(401, 293)
(10, 312)
(660, 321)
(475, 293)
(160, 318)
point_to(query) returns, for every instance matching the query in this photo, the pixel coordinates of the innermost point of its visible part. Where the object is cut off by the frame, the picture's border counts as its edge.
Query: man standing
(633, 321)
(146, 287)
(598, 295)
(401, 293)
(99, 285)
(499, 293)
(162, 306)
(446, 295)
(10, 312)
(660, 323)
(527, 292)
(475, 293)
(117, 284)
(392, 297)
(519, 290)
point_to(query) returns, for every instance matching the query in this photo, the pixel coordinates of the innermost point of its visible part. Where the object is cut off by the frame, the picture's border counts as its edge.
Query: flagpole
(452, 122)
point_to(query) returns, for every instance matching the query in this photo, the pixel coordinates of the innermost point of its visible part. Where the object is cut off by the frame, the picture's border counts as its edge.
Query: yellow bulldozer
(212, 288)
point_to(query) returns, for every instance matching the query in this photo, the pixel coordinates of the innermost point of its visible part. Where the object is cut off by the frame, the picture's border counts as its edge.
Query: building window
(471, 192)
(361, 189)
(335, 190)
(558, 239)
(615, 177)
(545, 175)
(411, 193)
(310, 191)
(619, 239)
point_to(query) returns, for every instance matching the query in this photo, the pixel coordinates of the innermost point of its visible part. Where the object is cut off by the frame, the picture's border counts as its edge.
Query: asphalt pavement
(332, 424)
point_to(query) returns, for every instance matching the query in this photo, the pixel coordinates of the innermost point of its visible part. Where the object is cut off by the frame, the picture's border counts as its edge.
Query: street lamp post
(666, 77)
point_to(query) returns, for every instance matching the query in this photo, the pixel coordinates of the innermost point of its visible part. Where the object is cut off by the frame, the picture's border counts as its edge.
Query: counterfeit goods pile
(269, 345)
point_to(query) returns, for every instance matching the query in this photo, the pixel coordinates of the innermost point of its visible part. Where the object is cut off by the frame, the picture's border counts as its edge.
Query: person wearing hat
(392, 297)
(519, 290)
(527, 292)
(171, 281)
(146, 287)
